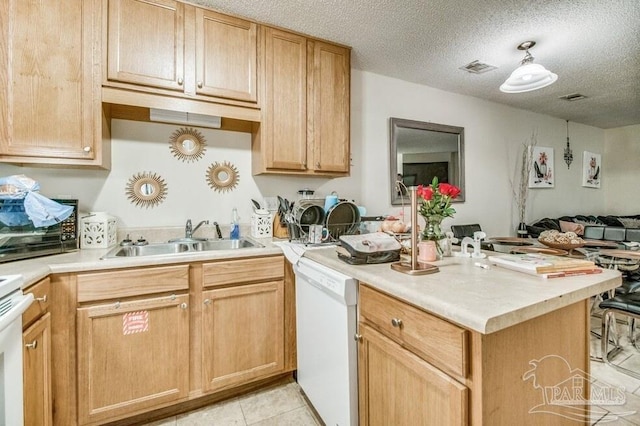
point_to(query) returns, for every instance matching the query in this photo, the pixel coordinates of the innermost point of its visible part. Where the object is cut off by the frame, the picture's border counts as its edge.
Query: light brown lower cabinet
(242, 333)
(411, 365)
(399, 388)
(36, 357)
(419, 369)
(132, 356)
(37, 373)
(130, 341)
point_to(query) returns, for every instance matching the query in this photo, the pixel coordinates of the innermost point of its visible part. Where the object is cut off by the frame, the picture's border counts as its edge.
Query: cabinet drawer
(242, 270)
(132, 282)
(42, 293)
(435, 340)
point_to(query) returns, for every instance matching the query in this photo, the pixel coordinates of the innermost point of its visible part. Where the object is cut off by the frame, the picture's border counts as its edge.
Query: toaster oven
(26, 241)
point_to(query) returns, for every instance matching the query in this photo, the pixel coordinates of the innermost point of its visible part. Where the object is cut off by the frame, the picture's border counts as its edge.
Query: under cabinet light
(179, 117)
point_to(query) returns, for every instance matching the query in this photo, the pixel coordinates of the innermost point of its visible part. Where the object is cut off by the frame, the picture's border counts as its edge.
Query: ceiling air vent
(477, 67)
(573, 97)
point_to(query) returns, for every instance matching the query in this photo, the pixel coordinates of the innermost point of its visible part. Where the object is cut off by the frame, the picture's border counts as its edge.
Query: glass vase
(432, 232)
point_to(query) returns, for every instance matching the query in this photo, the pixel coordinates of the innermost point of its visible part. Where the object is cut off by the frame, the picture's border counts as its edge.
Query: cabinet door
(37, 373)
(145, 43)
(284, 110)
(243, 334)
(132, 356)
(329, 90)
(226, 56)
(397, 387)
(48, 85)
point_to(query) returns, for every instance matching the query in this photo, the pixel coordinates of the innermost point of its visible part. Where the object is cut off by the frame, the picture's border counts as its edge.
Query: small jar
(427, 251)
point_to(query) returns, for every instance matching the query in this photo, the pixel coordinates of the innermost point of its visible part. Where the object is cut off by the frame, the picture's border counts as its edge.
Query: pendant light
(528, 76)
(568, 153)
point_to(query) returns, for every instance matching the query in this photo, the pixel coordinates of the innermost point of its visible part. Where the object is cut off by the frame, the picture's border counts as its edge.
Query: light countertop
(35, 269)
(483, 300)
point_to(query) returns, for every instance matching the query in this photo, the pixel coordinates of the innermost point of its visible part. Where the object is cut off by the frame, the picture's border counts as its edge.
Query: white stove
(9, 284)
(12, 304)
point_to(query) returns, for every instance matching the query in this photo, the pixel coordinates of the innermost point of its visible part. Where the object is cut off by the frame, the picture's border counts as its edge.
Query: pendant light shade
(528, 76)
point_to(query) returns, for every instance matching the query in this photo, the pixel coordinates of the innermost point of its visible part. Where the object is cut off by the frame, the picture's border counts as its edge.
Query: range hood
(179, 117)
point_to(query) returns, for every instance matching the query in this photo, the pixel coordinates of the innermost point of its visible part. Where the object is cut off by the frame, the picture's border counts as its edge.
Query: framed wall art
(542, 170)
(591, 169)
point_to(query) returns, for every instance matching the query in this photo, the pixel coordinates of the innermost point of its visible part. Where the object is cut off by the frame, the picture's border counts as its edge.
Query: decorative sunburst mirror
(146, 189)
(187, 144)
(222, 177)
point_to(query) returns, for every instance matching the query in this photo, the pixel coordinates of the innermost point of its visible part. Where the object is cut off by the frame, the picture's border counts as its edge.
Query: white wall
(139, 147)
(493, 136)
(621, 163)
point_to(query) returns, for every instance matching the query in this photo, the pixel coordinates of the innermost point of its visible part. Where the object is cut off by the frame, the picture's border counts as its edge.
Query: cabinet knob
(180, 81)
(87, 149)
(31, 345)
(207, 301)
(357, 337)
(42, 299)
(183, 306)
(318, 165)
(396, 322)
(199, 85)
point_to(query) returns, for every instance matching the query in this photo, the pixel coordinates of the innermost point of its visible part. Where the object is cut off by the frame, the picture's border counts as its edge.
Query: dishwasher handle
(14, 313)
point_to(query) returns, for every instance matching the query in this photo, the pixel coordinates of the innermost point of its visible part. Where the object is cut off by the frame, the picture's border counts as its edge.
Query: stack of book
(545, 265)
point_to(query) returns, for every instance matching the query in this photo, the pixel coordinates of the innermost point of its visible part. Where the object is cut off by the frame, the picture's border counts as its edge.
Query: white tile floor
(281, 405)
(284, 404)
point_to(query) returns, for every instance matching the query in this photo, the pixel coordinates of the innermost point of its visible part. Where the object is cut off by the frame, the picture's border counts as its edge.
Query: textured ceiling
(593, 46)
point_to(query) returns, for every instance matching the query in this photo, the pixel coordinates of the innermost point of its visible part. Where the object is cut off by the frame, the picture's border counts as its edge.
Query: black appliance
(23, 242)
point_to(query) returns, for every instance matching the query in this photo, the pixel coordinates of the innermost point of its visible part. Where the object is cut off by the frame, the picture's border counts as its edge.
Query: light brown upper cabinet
(50, 84)
(176, 49)
(146, 43)
(328, 138)
(305, 90)
(226, 56)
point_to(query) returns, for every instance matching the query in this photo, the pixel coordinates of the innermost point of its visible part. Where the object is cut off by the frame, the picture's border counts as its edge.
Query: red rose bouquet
(435, 206)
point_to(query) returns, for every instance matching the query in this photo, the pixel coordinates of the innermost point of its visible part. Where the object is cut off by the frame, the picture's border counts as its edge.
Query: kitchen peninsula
(458, 347)
(472, 345)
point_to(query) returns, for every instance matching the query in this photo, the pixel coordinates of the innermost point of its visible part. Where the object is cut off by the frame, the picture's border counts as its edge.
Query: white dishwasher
(326, 321)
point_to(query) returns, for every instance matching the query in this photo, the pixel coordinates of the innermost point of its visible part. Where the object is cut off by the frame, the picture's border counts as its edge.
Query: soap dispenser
(235, 225)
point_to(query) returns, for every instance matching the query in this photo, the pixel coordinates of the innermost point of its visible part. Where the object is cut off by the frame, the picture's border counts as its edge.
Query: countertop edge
(35, 269)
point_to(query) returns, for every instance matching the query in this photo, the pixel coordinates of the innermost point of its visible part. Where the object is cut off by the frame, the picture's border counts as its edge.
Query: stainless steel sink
(180, 246)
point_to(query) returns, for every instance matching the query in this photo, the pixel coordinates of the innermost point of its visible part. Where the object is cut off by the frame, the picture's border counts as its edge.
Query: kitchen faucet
(218, 230)
(189, 231)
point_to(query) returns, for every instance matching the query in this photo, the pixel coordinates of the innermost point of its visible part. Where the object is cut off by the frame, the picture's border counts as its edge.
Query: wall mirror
(222, 177)
(420, 151)
(146, 189)
(187, 144)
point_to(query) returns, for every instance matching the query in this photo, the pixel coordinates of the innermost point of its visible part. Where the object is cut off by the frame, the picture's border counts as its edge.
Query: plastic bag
(23, 206)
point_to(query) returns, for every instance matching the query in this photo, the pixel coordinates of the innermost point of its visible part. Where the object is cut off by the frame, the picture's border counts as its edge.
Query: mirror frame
(217, 181)
(398, 123)
(177, 140)
(137, 196)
